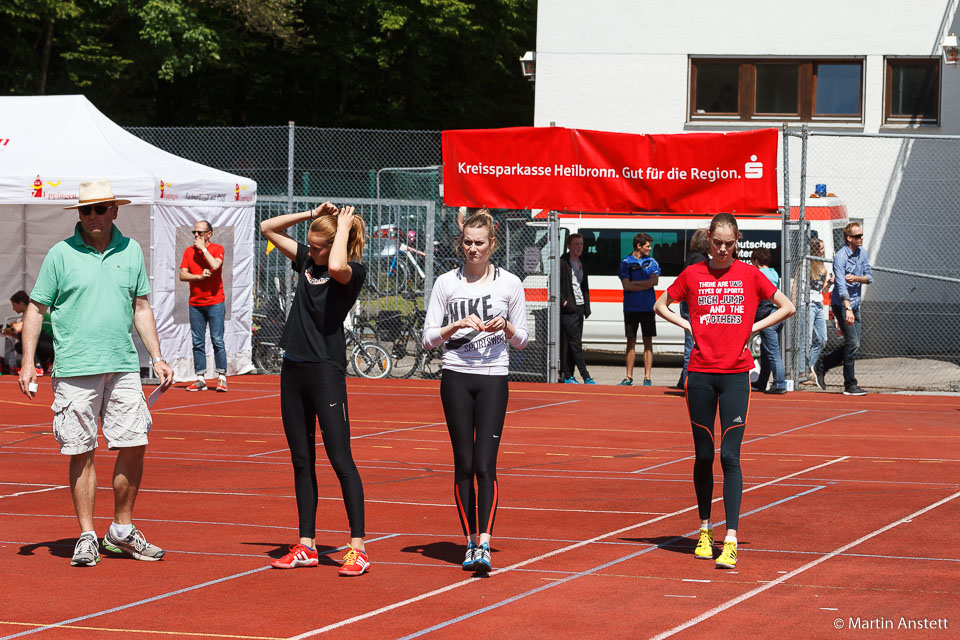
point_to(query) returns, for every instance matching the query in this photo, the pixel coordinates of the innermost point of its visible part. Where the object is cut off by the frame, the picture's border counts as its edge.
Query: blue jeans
(200, 317)
(687, 345)
(770, 360)
(816, 332)
(845, 354)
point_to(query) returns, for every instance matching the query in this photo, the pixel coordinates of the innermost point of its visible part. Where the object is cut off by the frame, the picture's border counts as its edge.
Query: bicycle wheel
(370, 360)
(405, 353)
(267, 358)
(430, 363)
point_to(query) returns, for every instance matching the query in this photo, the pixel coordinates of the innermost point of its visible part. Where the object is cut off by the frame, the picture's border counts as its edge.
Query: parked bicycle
(266, 354)
(367, 359)
(401, 334)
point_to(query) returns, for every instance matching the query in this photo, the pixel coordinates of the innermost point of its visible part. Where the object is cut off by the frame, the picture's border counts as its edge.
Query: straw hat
(96, 192)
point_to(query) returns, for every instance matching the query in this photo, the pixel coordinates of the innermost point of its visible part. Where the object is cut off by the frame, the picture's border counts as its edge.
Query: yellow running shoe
(704, 549)
(728, 558)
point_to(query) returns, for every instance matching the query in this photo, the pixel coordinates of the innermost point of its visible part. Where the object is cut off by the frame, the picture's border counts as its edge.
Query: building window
(912, 91)
(776, 89)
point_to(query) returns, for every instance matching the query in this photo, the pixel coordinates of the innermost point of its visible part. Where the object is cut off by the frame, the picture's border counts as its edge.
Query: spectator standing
(95, 285)
(639, 274)
(202, 268)
(699, 252)
(574, 308)
(820, 280)
(770, 358)
(851, 270)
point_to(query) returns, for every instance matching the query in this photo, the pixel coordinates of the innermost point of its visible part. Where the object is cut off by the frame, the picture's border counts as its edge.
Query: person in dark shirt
(312, 379)
(574, 308)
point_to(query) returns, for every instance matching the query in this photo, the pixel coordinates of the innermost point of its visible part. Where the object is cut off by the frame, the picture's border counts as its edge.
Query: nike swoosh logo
(334, 404)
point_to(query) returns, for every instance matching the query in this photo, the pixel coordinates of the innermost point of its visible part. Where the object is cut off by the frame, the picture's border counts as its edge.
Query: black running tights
(731, 391)
(474, 406)
(312, 391)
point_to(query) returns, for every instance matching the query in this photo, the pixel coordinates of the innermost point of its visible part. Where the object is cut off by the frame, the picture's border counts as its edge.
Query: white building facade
(630, 65)
(860, 67)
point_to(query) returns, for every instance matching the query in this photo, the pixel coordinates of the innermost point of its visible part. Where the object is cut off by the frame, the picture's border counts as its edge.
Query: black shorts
(645, 320)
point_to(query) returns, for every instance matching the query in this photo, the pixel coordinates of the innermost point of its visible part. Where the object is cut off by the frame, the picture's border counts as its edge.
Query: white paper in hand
(154, 396)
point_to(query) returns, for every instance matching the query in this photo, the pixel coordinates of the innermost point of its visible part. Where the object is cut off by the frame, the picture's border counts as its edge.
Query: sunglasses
(100, 209)
(856, 236)
(199, 233)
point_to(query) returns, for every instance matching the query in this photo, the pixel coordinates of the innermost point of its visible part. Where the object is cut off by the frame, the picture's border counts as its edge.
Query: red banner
(579, 170)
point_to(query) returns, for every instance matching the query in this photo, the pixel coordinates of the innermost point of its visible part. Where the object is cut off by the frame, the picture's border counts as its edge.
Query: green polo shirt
(91, 297)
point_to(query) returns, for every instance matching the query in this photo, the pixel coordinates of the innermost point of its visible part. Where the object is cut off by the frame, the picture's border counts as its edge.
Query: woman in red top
(723, 294)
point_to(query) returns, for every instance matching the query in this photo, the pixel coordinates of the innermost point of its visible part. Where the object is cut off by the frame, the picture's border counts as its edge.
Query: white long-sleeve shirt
(468, 350)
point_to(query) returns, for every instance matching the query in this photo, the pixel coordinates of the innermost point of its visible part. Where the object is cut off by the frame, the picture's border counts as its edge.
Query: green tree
(355, 63)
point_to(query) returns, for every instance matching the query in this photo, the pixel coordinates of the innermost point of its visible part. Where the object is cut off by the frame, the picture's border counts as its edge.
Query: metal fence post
(796, 354)
(428, 249)
(288, 270)
(553, 297)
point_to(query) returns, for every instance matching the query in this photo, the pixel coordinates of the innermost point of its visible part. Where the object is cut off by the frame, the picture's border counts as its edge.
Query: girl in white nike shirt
(474, 311)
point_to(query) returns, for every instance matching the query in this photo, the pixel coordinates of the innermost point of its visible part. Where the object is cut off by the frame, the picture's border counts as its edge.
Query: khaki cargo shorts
(115, 399)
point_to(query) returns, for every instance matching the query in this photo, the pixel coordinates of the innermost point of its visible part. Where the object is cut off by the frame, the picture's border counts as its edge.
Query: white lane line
(590, 571)
(25, 493)
(207, 404)
(134, 604)
(772, 435)
(549, 554)
(10, 427)
(413, 428)
(749, 594)
(162, 596)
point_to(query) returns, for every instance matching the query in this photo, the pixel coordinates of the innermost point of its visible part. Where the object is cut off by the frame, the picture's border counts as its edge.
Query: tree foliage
(354, 63)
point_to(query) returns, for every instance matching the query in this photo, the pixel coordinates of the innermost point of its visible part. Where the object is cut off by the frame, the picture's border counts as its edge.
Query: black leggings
(474, 406)
(310, 391)
(732, 392)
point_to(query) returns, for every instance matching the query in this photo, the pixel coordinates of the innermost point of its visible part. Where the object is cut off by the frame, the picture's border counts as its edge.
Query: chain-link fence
(903, 190)
(394, 180)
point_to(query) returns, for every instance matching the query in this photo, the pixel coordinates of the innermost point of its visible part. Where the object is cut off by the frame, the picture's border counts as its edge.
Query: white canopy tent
(49, 144)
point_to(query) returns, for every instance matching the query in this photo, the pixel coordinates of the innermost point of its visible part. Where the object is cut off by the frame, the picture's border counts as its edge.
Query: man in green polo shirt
(95, 287)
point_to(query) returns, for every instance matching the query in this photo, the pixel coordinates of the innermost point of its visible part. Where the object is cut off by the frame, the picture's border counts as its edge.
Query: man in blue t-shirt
(639, 274)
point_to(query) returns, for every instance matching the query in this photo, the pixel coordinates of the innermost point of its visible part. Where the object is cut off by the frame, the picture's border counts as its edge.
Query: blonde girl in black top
(312, 382)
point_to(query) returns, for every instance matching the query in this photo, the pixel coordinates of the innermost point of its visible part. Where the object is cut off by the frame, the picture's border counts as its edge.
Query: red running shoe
(222, 385)
(355, 563)
(199, 385)
(300, 556)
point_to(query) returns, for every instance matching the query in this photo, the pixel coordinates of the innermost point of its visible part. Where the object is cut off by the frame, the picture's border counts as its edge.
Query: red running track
(849, 520)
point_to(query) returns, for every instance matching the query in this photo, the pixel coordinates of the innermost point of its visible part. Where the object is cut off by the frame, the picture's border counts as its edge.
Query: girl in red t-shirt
(722, 294)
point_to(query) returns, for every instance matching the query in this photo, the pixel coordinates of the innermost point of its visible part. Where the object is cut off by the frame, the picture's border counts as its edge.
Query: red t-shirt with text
(722, 308)
(208, 291)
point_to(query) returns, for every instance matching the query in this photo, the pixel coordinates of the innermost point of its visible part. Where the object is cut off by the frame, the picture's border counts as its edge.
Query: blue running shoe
(481, 559)
(589, 381)
(626, 382)
(647, 382)
(468, 561)
(571, 380)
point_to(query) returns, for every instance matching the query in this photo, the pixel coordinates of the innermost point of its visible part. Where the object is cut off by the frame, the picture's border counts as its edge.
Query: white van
(608, 238)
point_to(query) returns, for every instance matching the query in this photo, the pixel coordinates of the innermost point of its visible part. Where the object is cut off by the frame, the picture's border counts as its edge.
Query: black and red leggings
(731, 392)
(474, 406)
